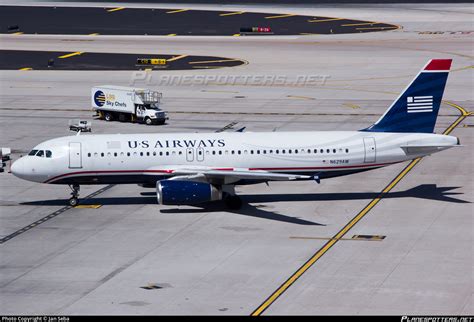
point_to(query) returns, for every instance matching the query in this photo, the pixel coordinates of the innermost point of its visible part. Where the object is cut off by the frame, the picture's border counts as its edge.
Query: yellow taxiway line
(176, 11)
(115, 9)
(77, 53)
(360, 24)
(88, 206)
(280, 16)
(213, 61)
(292, 279)
(231, 13)
(351, 105)
(26, 68)
(325, 20)
(301, 97)
(176, 58)
(371, 28)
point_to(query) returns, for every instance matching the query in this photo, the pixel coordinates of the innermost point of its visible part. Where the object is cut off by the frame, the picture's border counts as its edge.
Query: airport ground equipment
(128, 104)
(77, 125)
(5, 156)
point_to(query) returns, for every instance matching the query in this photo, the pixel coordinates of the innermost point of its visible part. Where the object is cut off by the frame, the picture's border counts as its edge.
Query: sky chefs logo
(99, 98)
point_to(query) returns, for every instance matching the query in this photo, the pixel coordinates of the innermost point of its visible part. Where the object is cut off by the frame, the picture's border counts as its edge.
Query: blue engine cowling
(175, 192)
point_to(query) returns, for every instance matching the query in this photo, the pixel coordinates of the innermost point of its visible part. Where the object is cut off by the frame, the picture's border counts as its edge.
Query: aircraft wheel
(73, 202)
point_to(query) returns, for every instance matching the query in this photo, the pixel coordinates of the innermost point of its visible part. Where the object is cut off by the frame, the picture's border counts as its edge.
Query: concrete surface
(207, 260)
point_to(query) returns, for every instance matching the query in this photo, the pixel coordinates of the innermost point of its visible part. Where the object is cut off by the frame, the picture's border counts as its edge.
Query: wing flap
(197, 173)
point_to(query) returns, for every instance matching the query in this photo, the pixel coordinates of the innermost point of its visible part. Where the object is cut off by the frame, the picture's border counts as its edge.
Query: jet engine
(175, 192)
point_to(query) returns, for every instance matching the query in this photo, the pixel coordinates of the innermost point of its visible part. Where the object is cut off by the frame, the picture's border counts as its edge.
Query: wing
(221, 175)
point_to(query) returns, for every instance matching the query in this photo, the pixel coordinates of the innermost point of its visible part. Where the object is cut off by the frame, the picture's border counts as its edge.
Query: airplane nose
(18, 168)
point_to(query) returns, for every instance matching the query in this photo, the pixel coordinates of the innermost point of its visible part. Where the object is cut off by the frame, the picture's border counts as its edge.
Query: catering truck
(127, 104)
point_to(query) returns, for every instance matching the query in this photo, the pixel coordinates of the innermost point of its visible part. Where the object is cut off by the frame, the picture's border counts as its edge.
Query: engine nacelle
(175, 192)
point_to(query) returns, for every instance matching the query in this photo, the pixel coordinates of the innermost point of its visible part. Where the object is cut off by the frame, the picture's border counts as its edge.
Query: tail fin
(416, 109)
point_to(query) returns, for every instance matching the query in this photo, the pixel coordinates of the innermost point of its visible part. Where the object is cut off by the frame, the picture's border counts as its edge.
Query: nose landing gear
(74, 200)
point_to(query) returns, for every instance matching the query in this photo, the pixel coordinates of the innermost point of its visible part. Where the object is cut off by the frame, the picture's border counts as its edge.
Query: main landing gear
(74, 200)
(233, 202)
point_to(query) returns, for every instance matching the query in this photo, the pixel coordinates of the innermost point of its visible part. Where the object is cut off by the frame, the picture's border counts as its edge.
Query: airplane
(193, 168)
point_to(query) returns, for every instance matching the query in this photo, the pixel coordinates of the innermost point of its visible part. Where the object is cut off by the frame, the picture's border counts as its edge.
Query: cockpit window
(33, 152)
(40, 153)
(48, 154)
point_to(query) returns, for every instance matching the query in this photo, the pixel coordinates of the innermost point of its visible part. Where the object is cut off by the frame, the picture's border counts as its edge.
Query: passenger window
(148, 154)
(154, 153)
(220, 152)
(347, 150)
(141, 154)
(49, 154)
(128, 154)
(33, 152)
(115, 154)
(88, 155)
(333, 150)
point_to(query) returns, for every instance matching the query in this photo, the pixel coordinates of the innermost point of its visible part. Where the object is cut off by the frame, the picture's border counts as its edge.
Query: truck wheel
(108, 117)
(148, 121)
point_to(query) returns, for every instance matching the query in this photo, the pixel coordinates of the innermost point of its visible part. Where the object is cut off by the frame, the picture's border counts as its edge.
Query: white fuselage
(145, 158)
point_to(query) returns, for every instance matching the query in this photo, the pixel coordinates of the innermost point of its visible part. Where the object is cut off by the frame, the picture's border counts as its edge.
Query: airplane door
(200, 154)
(370, 150)
(189, 154)
(140, 111)
(75, 158)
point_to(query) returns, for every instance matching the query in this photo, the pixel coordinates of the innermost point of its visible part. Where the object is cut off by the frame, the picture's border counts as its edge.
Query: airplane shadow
(425, 191)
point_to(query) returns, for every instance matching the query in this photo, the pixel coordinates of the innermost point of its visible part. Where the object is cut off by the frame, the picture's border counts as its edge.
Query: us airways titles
(177, 144)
